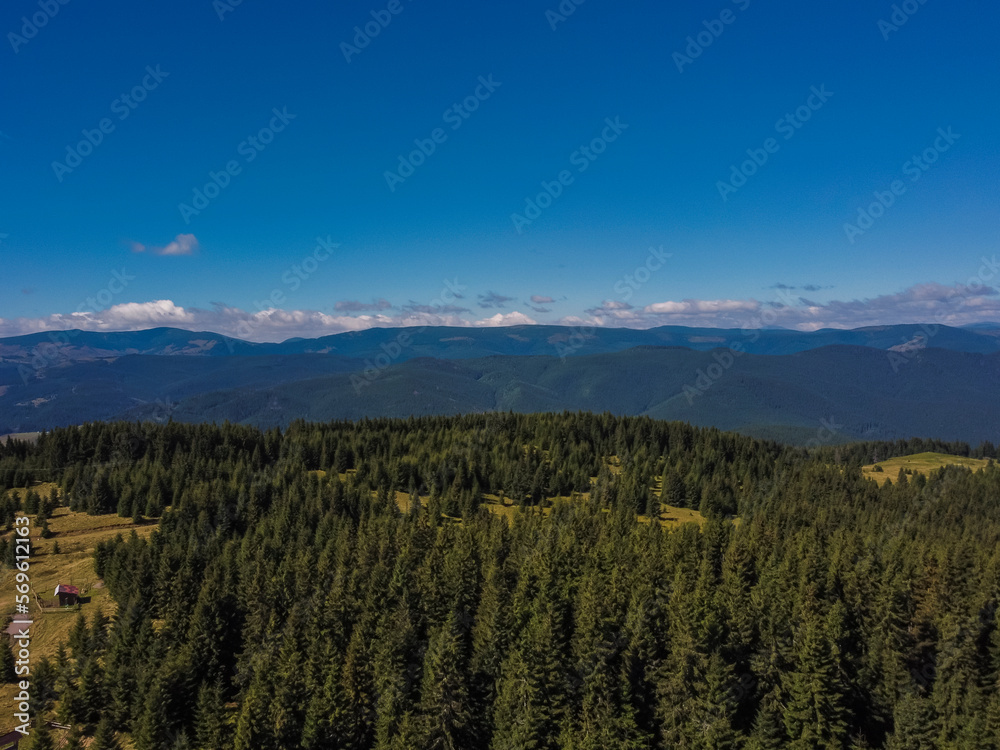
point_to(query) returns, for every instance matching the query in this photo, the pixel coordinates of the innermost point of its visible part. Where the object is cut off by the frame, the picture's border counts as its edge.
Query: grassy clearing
(918, 463)
(29, 437)
(77, 535)
(670, 517)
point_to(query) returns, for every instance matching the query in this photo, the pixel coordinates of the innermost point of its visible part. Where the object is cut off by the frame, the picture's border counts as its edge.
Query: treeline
(873, 451)
(286, 601)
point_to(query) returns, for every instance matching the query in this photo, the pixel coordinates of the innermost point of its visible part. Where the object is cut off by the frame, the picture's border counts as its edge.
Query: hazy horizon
(309, 170)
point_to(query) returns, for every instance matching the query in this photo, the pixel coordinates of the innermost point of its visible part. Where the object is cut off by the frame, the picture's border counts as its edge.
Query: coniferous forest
(350, 586)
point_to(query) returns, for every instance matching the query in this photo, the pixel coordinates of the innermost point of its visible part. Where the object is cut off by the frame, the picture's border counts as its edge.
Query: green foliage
(280, 606)
(42, 737)
(6, 661)
(104, 737)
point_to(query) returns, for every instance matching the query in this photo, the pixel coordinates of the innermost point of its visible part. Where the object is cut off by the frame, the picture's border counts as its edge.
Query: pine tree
(7, 662)
(98, 634)
(521, 718)
(325, 715)
(956, 695)
(42, 737)
(992, 734)
(490, 640)
(531, 701)
(104, 737)
(167, 704)
(289, 701)
(74, 740)
(444, 701)
(394, 647)
(210, 727)
(252, 729)
(915, 725)
(814, 716)
(768, 731)
(91, 698)
(78, 637)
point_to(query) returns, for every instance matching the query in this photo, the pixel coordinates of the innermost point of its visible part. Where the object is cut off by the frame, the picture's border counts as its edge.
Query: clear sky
(644, 119)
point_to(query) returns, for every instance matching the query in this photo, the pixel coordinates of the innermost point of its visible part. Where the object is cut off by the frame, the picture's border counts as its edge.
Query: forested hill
(518, 591)
(866, 393)
(444, 342)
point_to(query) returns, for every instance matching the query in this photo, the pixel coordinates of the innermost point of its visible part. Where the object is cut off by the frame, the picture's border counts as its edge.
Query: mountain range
(884, 382)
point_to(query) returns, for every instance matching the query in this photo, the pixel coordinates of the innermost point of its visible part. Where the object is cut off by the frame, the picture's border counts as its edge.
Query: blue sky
(310, 234)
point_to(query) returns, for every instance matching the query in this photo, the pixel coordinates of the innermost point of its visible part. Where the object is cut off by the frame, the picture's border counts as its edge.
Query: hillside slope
(44, 350)
(861, 392)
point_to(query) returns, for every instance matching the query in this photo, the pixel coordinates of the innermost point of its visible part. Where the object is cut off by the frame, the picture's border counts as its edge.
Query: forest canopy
(349, 585)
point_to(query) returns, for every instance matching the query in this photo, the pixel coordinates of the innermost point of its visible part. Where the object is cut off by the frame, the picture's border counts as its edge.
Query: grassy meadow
(76, 535)
(918, 463)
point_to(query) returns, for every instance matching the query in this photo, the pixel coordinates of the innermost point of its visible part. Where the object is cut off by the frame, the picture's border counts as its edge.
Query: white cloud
(924, 303)
(508, 319)
(130, 316)
(265, 325)
(182, 244)
(703, 306)
(955, 305)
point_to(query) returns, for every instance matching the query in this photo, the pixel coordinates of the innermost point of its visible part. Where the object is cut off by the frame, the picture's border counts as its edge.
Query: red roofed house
(67, 594)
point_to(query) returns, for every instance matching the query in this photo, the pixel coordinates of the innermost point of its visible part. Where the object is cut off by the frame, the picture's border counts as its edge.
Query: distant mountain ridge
(43, 349)
(775, 385)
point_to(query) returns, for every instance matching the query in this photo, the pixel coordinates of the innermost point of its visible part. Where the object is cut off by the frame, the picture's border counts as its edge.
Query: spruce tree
(209, 725)
(445, 700)
(42, 736)
(104, 737)
(78, 637)
(914, 724)
(7, 662)
(814, 716)
(74, 740)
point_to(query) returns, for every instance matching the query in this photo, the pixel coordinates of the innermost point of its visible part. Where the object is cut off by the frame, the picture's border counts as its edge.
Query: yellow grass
(77, 535)
(670, 517)
(919, 463)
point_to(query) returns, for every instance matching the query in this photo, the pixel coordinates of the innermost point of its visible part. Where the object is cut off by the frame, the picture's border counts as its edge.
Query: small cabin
(9, 741)
(68, 595)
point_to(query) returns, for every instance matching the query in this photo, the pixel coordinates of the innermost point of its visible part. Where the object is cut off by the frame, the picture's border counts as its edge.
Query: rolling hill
(827, 394)
(41, 350)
